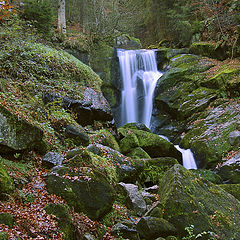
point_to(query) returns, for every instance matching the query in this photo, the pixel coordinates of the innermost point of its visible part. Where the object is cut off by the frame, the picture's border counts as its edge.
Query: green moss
(64, 219)
(3, 236)
(128, 143)
(7, 219)
(105, 138)
(6, 182)
(233, 189)
(138, 153)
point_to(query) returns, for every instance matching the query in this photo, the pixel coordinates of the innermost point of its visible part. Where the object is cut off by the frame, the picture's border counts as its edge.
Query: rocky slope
(67, 172)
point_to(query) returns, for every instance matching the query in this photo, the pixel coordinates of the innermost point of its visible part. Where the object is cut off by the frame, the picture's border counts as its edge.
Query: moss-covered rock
(187, 200)
(3, 236)
(208, 49)
(138, 153)
(6, 182)
(7, 219)
(208, 175)
(150, 228)
(86, 190)
(128, 143)
(64, 219)
(105, 138)
(226, 81)
(153, 144)
(17, 134)
(233, 189)
(154, 169)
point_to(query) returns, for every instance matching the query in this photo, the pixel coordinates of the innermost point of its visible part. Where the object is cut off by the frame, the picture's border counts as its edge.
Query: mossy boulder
(208, 135)
(126, 169)
(128, 143)
(85, 189)
(64, 219)
(229, 170)
(17, 134)
(154, 169)
(208, 49)
(6, 182)
(208, 175)
(7, 219)
(226, 81)
(138, 153)
(233, 189)
(3, 236)
(150, 228)
(188, 200)
(151, 143)
(105, 138)
(77, 134)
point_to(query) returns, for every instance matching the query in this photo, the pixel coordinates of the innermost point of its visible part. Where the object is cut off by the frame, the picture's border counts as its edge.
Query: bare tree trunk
(61, 16)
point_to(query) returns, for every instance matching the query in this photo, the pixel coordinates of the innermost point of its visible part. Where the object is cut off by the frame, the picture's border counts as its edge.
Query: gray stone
(134, 200)
(78, 134)
(234, 138)
(88, 236)
(150, 228)
(17, 134)
(124, 231)
(52, 159)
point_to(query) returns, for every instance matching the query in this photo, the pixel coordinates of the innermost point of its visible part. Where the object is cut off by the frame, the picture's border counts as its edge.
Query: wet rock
(234, 138)
(120, 229)
(17, 134)
(134, 199)
(150, 228)
(86, 190)
(151, 143)
(229, 170)
(78, 134)
(187, 200)
(52, 159)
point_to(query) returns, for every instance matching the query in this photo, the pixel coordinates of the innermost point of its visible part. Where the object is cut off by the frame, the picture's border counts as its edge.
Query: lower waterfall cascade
(139, 75)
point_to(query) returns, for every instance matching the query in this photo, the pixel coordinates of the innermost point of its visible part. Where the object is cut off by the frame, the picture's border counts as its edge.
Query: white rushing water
(139, 75)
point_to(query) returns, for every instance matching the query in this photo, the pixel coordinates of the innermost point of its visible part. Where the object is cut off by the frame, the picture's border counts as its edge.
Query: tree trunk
(61, 16)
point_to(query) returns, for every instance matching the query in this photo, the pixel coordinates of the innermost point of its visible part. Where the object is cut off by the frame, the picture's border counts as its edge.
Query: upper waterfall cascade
(139, 77)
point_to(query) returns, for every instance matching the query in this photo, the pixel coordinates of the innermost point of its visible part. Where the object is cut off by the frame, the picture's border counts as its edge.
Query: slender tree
(61, 16)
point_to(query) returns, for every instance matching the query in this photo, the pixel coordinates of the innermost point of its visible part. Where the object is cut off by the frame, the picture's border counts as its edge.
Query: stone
(154, 169)
(150, 228)
(128, 143)
(77, 134)
(233, 189)
(120, 229)
(85, 189)
(88, 236)
(93, 106)
(208, 175)
(153, 144)
(17, 134)
(134, 200)
(64, 219)
(138, 153)
(137, 126)
(127, 169)
(229, 170)
(188, 200)
(234, 138)
(6, 182)
(52, 159)
(7, 219)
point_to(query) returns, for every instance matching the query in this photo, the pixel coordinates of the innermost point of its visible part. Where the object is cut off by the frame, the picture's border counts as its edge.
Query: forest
(120, 119)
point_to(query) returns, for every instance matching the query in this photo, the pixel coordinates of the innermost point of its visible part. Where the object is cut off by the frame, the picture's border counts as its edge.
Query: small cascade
(139, 75)
(188, 158)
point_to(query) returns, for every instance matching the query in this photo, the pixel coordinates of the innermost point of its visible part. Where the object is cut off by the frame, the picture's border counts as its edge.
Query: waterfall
(139, 77)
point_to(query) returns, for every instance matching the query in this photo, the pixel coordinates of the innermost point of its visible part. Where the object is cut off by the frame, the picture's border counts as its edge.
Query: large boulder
(92, 105)
(187, 200)
(233, 189)
(17, 134)
(134, 200)
(208, 136)
(127, 169)
(229, 170)
(153, 144)
(150, 228)
(85, 189)
(6, 182)
(77, 134)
